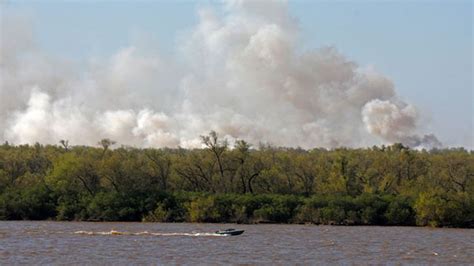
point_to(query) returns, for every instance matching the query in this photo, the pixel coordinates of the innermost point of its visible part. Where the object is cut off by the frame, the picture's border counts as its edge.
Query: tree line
(387, 185)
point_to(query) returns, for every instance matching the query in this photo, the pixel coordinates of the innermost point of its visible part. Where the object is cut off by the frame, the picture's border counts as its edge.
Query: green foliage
(391, 185)
(72, 207)
(32, 203)
(160, 214)
(279, 209)
(435, 208)
(203, 209)
(400, 211)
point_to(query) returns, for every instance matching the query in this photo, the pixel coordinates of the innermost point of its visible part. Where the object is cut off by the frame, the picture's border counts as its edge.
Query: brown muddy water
(173, 243)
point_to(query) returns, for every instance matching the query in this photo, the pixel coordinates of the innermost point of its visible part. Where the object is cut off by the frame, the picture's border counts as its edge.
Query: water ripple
(155, 243)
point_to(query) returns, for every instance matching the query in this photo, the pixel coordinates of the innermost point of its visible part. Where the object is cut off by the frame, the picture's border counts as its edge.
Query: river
(24, 242)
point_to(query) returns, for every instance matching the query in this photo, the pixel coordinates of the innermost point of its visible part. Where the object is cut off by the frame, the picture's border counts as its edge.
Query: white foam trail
(144, 233)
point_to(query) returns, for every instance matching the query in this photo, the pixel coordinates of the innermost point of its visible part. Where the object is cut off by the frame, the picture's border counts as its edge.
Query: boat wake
(143, 233)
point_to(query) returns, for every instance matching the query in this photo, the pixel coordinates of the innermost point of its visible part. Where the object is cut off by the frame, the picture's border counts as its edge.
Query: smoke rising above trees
(242, 74)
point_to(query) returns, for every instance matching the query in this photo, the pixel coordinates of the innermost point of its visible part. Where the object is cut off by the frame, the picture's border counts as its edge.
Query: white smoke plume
(395, 124)
(243, 75)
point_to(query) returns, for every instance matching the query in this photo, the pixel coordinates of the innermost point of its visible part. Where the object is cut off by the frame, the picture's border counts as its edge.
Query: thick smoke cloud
(395, 123)
(241, 74)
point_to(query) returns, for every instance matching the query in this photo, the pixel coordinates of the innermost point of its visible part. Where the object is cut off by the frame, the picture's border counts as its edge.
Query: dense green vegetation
(391, 185)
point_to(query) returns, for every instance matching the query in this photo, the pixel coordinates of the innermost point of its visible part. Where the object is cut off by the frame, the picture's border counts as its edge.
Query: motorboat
(230, 232)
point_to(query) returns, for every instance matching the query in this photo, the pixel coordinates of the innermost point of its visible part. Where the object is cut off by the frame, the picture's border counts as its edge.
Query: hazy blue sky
(425, 47)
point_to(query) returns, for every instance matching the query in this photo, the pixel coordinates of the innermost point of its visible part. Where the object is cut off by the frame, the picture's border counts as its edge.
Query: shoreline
(235, 224)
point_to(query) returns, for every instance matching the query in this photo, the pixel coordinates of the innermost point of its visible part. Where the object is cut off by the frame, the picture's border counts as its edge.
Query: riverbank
(366, 209)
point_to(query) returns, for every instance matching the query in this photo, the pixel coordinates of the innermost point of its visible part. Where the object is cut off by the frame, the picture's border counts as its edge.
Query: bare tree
(106, 143)
(217, 148)
(65, 144)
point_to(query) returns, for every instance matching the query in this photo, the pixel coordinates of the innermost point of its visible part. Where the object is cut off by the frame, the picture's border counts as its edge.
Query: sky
(423, 47)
